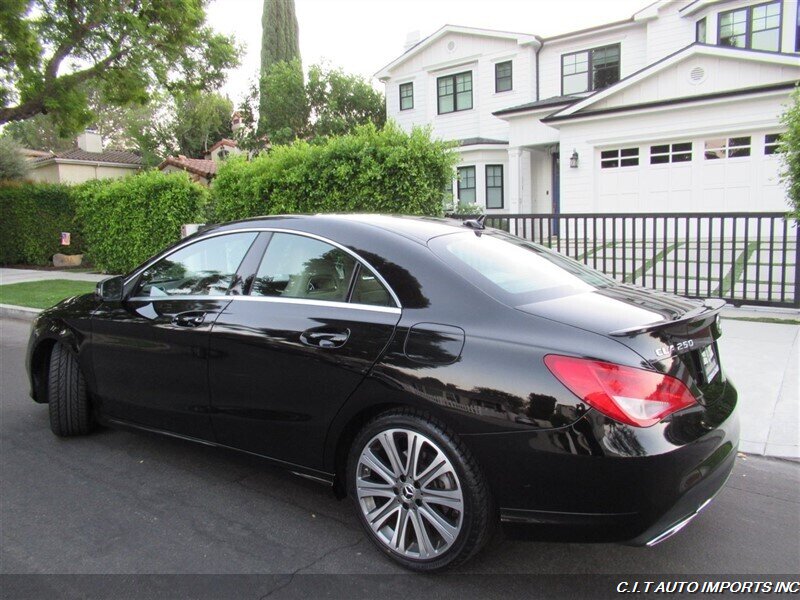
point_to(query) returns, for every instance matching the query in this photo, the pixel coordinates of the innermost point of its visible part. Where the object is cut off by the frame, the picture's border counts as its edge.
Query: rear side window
(369, 290)
(515, 271)
(204, 268)
(295, 266)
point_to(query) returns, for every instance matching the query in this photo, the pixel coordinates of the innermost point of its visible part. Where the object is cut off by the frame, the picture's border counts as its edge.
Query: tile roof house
(201, 170)
(85, 162)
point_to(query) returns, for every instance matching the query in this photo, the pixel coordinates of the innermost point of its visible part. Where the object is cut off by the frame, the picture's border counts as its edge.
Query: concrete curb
(24, 313)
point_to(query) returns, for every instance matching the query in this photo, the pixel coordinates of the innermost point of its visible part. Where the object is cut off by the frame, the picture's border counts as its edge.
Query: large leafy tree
(287, 106)
(50, 50)
(280, 50)
(339, 102)
(200, 121)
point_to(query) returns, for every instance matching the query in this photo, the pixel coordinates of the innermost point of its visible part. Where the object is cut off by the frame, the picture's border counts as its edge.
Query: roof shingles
(108, 156)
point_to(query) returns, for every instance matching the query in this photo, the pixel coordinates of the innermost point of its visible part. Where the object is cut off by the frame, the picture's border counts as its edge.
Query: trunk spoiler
(709, 308)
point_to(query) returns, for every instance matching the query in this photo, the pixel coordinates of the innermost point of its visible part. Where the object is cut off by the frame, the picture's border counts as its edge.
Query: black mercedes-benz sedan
(445, 376)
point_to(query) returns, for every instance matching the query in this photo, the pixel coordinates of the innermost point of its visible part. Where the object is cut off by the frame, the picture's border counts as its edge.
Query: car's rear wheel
(66, 394)
(418, 492)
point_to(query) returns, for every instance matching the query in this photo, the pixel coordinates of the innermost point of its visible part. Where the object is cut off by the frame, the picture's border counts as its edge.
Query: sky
(361, 36)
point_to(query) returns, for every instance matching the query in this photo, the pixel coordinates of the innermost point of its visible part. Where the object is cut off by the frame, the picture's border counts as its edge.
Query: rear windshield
(513, 270)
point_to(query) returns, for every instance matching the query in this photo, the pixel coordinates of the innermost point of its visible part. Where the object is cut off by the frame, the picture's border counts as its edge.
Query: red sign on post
(65, 238)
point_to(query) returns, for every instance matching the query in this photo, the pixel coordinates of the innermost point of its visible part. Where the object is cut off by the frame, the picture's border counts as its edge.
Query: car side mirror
(110, 290)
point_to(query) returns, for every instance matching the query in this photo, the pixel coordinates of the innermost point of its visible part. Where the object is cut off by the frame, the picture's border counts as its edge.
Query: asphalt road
(132, 504)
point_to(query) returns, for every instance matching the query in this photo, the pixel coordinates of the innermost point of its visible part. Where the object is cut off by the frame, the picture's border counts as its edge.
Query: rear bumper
(600, 481)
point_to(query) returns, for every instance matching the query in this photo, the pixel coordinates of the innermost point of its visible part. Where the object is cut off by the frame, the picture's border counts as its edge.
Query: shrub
(125, 221)
(370, 170)
(32, 217)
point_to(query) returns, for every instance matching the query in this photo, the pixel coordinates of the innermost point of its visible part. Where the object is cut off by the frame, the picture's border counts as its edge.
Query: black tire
(66, 394)
(479, 519)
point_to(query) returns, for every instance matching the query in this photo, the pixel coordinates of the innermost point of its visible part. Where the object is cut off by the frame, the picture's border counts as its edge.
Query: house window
(466, 184)
(502, 76)
(755, 27)
(589, 70)
(700, 31)
(406, 96)
(772, 142)
(494, 186)
(666, 153)
(623, 157)
(727, 147)
(454, 92)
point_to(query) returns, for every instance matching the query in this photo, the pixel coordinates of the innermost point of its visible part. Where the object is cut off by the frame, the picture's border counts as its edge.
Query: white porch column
(519, 180)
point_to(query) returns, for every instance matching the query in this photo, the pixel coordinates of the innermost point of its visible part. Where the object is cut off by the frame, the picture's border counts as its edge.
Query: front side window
(295, 266)
(667, 153)
(755, 27)
(622, 157)
(466, 184)
(494, 186)
(772, 143)
(406, 96)
(700, 31)
(205, 268)
(502, 77)
(590, 70)
(727, 147)
(454, 92)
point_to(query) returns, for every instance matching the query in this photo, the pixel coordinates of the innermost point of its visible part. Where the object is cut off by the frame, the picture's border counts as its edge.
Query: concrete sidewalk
(23, 275)
(762, 360)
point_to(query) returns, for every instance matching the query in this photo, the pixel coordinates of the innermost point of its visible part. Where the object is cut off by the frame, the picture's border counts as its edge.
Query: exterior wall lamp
(573, 160)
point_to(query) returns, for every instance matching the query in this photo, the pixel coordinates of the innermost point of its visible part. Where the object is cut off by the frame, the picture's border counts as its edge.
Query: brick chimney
(90, 141)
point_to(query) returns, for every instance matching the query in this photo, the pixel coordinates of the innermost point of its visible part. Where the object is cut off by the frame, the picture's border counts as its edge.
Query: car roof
(420, 229)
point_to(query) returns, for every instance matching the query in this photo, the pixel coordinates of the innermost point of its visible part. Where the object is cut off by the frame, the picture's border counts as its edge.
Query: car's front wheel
(66, 394)
(418, 492)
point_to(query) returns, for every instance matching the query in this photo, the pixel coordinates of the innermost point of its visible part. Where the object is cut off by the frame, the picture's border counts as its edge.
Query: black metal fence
(744, 258)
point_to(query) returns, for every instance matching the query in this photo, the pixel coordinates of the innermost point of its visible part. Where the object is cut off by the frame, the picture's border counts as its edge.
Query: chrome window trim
(398, 306)
(326, 303)
(307, 301)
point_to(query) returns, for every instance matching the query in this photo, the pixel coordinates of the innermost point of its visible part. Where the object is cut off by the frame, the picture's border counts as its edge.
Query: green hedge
(370, 170)
(125, 221)
(32, 217)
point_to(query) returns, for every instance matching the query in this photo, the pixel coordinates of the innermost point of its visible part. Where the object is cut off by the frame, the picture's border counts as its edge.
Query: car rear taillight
(627, 394)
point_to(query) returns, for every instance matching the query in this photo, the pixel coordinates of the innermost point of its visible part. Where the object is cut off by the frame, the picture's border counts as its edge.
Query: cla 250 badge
(665, 351)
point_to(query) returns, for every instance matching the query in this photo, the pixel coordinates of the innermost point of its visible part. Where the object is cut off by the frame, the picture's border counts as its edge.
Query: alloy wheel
(409, 494)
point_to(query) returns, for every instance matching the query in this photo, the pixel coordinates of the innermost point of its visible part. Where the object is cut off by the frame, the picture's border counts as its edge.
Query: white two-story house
(675, 109)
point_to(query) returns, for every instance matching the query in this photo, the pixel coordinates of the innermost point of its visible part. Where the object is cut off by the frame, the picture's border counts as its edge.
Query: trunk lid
(674, 335)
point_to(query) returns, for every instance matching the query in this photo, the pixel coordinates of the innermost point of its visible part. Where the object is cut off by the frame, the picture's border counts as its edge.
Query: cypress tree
(279, 43)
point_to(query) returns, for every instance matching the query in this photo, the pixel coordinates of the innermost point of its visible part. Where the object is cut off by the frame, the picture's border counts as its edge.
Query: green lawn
(42, 294)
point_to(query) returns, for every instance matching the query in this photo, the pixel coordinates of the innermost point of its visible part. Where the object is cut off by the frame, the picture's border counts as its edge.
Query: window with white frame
(772, 142)
(621, 157)
(590, 70)
(728, 147)
(494, 186)
(671, 153)
(406, 96)
(466, 185)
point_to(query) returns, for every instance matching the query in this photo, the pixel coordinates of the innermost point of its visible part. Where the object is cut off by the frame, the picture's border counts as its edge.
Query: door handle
(189, 319)
(322, 338)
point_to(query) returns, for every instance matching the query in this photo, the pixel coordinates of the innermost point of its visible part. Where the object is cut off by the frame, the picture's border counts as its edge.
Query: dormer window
(754, 27)
(590, 70)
